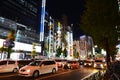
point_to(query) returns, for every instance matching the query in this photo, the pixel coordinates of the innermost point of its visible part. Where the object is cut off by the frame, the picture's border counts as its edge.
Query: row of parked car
(67, 64)
(35, 67)
(12, 65)
(97, 63)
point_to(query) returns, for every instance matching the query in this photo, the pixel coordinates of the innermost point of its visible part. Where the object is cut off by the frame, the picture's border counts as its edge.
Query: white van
(100, 63)
(8, 66)
(38, 67)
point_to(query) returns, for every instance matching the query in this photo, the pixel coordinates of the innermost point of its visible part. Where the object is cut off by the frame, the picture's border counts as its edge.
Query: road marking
(88, 75)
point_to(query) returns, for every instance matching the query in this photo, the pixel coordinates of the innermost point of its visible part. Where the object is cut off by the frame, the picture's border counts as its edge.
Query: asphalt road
(62, 74)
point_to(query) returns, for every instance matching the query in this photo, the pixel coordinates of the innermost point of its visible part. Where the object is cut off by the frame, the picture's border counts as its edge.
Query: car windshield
(35, 63)
(88, 61)
(3, 62)
(98, 60)
(57, 60)
(71, 62)
(24, 62)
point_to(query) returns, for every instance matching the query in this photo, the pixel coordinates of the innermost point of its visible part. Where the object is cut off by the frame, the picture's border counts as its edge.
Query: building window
(32, 8)
(22, 2)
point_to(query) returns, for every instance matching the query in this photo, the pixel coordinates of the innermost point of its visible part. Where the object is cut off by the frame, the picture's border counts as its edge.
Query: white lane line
(88, 75)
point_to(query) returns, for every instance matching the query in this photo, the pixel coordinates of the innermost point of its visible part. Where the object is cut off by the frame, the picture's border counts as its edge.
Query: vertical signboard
(42, 20)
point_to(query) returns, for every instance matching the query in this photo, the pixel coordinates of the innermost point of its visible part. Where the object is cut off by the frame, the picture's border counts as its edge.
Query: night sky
(73, 9)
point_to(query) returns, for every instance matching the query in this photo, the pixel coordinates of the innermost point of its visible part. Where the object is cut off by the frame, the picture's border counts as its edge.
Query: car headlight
(105, 64)
(68, 65)
(95, 65)
(89, 64)
(28, 70)
(101, 65)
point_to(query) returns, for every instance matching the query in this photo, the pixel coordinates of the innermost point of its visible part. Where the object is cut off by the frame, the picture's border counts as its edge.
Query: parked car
(22, 63)
(71, 64)
(100, 63)
(81, 62)
(88, 63)
(60, 62)
(38, 67)
(8, 66)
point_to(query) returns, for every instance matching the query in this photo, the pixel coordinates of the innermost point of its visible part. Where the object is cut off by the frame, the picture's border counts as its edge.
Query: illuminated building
(24, 36)
(84, 46)
(118, 31)
(76, 47)
(26, 12)
(51, 37)
(58, 40)
(23, 16)
(69, 39)
(42, 22)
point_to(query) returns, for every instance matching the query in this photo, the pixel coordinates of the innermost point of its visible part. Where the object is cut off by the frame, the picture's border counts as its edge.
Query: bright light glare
(22, 46)
(28, 70)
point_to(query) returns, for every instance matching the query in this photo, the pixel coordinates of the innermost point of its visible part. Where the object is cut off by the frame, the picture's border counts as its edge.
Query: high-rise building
(26, 12)
(23, 16)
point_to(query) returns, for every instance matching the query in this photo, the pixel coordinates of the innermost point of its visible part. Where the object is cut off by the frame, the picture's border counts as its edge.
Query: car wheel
(36, 74)
(65, 67)
(53, 70)
(15, 70)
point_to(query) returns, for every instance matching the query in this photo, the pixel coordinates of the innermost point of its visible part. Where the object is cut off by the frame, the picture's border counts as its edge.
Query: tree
(76, 55)
(33, 53)
(65, 52)
(59, 51)
(99, 21)
(9, 42)
(11, 35)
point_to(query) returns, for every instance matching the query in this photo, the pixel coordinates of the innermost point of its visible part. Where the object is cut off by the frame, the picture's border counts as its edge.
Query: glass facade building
(26, 12)
(23, 33)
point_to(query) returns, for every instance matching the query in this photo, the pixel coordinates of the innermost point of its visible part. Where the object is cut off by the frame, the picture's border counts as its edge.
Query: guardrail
(95, 76)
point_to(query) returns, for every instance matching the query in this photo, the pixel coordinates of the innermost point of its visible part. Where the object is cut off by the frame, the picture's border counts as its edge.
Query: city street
(62, 74)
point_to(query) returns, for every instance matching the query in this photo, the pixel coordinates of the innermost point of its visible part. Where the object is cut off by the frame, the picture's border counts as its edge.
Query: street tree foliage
(11, 35)
(59, 51)
(65, 52)
(10, 39)
(76, 55)
(33, 53)
(99, 21)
